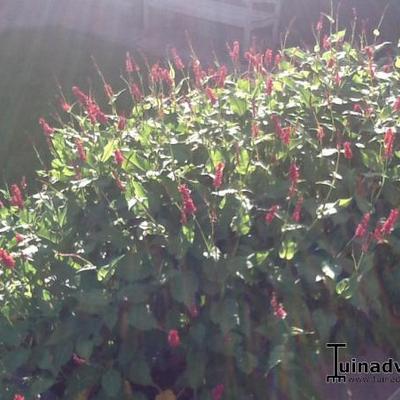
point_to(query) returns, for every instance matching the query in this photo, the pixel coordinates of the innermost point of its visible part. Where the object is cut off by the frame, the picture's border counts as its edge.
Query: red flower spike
(388, 67)
(294, 172)
(362, 227)
(326, 42)
(166, 77)
(130, 65)
(118, 182)
(94, 112)
(296, 216)
(385, 229)
(369, 111)
(277, 124)
(234, 52)
(118, 157)
(388, 226)
(378, 236)
(179, 65)
(320, 133)
(211, 95)
(65, 106)
(198, 72)
(189, 207)
(255, 60)
(331, 63)
(80, 96)
(269, 86)
(19, 397)
(108, 91)
(78, 360)
(278, 309)
(338, 79)
(218, 392)
(219, 174)
(101, 118)
(173, 338)
(283, 133)
(121, 122)
(184, 219)
(271, 214)
(159, 75)
(47, 129)
(220, 76)
(369, 51)
(366, 242)
(396, 105)
(294, 175)
(389, 142)
(19, 238)
(80, 150)
(136, 92)
(255, 130)
(17, 199)
(347, 150)
(7, 259)
(268, 56)
(286, 134)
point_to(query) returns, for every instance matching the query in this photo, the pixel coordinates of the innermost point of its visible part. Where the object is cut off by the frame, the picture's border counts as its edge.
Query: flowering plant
(213, 237)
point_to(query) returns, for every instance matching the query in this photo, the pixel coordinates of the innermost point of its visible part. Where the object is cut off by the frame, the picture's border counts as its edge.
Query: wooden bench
(249, 15)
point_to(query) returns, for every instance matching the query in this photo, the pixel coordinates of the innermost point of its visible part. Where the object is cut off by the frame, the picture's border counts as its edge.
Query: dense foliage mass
(209, 242)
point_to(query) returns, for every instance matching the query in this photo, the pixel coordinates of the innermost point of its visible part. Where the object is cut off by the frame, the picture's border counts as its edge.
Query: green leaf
(345, 202)
(244, 162)
(15, 359)
(323, 322)
(84, 348)
(345, 288)
(246, 362)
(40, 385)
(371, 160)
(92, 301)
(183, 287)
(238, 106)
(106, 271)
(108, 151)
(188, 233)
(139, 371)
(142, 318)
(111, 382)
(139, 192)
(195, 368)
(225, 314)
(288, 250)
(241, 223)
(216, 157)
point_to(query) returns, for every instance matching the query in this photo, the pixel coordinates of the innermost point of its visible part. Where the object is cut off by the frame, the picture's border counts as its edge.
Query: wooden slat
(216, 11)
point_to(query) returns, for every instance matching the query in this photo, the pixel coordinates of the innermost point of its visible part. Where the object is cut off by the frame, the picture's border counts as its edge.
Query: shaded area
(36, 63)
